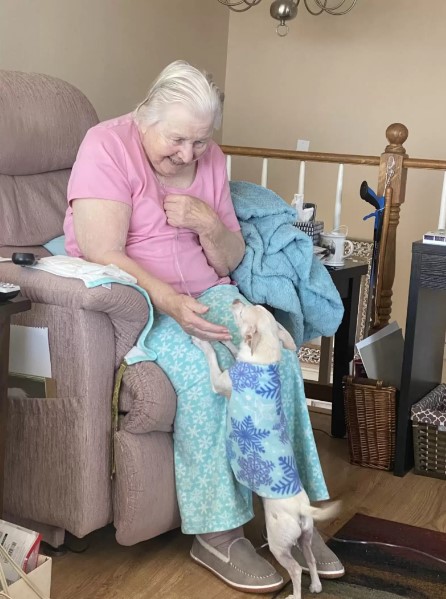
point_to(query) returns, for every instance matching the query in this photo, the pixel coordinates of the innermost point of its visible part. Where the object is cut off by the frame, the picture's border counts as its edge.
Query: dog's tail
(325, 512)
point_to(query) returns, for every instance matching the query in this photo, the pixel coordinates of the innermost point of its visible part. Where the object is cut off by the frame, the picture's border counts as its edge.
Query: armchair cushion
(42, 123)
(44, 120)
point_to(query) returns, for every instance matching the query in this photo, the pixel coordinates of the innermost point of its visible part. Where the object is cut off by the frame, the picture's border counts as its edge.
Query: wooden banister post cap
(396, 134)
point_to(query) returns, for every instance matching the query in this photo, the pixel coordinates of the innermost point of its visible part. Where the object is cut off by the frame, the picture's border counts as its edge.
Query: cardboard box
(41, 577)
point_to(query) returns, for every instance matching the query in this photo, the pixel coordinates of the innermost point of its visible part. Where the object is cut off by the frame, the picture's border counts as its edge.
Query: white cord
(177, 262)
(177, 235)
(438, 559)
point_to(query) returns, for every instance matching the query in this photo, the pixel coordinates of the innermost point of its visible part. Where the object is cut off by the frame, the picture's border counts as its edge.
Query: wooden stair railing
(393, 156)
(394, 152)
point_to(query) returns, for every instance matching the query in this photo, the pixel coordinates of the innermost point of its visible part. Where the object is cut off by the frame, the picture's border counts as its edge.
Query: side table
(7, 309)
(423, 344)
(347, 279)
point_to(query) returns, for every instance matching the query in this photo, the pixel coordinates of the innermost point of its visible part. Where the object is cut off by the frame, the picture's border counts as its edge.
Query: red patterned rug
(380, 571)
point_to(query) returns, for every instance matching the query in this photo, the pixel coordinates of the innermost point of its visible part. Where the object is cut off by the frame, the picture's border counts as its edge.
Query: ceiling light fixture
(285, 10)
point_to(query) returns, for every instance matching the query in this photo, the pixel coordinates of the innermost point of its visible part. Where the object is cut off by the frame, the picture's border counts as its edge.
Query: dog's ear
(285, 337)
(252, 338)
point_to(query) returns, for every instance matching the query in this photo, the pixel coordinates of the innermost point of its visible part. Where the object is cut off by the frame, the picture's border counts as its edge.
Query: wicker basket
(370, 410)
(429, 433)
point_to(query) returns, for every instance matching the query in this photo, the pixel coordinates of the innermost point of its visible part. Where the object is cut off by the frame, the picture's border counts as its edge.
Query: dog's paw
(316, 587)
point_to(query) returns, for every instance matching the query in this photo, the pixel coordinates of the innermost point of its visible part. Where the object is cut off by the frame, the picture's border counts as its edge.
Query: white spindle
(338, 201)
(301, 183)
(265, 173)
(228, 166)
(442, 216)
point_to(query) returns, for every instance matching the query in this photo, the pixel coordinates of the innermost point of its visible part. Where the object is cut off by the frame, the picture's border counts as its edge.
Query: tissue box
(313, 228)
(41, 577)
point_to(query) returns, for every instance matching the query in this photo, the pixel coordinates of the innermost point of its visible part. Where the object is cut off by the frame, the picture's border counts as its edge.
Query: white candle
(338, 202)
(442, 217)
(228, 166)
(265, 172)
(300, 187)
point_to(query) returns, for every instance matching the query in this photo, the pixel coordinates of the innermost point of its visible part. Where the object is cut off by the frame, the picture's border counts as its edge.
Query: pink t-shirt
(111, 165)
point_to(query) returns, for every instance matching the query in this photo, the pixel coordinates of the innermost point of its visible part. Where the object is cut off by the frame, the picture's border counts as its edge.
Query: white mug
(336, 243)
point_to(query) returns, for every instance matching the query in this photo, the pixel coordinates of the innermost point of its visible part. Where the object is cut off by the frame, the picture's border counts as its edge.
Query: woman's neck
(182, 180)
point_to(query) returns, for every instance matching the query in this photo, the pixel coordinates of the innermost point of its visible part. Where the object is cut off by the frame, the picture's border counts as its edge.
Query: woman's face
(177, 140)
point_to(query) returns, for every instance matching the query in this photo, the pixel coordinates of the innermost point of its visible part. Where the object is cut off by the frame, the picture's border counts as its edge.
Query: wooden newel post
(391, 158)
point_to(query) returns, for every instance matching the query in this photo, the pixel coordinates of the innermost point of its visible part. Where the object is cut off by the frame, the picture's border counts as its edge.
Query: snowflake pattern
(282, 428)
(289, 484)
(244, 376)
(209, 496)
(255, 471)
(268, 439)
(271, 390)
(247, 436)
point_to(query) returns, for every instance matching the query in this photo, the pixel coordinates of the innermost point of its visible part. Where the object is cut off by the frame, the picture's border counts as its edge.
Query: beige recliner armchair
(59, 450)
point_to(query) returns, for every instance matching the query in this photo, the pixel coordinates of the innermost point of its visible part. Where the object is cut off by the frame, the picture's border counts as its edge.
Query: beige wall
(335, 81)
(112, 49)
(339, 82)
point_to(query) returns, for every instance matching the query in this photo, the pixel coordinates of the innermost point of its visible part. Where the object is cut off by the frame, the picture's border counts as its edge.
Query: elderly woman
(149, 193)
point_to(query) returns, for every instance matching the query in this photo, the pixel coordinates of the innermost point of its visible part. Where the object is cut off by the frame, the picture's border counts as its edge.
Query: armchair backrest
(42, 123)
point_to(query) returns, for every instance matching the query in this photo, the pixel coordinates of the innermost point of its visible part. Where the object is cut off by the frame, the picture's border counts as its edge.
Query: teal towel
(56, 246)
(279, 267)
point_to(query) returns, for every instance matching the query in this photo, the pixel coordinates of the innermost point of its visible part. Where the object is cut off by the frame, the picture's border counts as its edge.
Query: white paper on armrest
(29, 351)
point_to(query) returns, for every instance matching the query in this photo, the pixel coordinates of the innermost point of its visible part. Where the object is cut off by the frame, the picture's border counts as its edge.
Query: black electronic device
(8, 291)
(24, 258)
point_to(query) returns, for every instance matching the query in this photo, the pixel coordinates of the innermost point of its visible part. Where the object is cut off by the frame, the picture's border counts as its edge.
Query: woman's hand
(186, 311)
(188, 212)
(224, 249)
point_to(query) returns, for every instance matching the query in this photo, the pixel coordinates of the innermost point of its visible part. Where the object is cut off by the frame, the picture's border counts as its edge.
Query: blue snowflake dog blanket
(279, 267)
(258, 446)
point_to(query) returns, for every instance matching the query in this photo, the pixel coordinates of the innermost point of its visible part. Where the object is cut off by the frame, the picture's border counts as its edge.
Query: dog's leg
(285, 559)
(232, 348)
(305, 544)
(220, 381)
(283, 529)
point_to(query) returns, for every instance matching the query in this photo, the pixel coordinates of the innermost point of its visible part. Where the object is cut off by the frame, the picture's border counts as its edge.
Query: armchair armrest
(125, 306)
(147, 396)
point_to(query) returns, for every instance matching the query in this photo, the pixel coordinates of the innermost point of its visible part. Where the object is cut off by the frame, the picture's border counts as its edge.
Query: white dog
(253, 438)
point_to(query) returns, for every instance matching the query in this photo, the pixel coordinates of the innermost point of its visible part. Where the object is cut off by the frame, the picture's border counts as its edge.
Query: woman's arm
(224, 249)
(101, 228)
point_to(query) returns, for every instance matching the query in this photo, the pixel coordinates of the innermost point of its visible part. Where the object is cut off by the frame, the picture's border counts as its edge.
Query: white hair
(181, 83)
